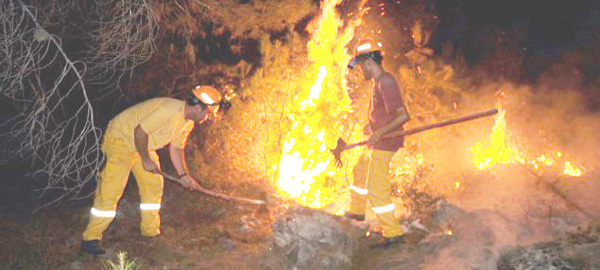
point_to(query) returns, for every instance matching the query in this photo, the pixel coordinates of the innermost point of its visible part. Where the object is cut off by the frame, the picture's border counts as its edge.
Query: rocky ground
(504, 219)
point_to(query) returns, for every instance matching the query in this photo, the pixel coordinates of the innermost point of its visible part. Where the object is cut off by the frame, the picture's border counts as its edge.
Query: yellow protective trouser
(372, 171)
(120, 160)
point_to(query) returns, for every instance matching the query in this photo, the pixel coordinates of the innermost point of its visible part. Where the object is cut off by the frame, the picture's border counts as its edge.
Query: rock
(310, 239)
(476, 239)
(445, 213)
(542, 256)
(586, 254)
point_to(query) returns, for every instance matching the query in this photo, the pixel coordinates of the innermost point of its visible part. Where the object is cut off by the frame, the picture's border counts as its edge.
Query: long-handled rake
(343, 146)
(219, 195)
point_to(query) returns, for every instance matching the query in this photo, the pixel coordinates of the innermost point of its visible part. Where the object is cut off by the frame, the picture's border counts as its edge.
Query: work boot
(355, 216)
(92, 247)
(387, 241)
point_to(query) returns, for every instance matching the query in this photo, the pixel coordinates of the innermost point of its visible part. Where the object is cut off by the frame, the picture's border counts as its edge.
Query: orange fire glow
(305, 171)
(500, 150)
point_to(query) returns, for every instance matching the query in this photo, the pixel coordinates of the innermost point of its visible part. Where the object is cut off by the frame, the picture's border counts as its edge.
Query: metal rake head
(337, 152)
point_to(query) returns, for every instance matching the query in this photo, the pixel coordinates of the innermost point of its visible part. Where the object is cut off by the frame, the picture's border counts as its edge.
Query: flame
(570, 170)
(500, 150)
(305, 172)
(497, 150)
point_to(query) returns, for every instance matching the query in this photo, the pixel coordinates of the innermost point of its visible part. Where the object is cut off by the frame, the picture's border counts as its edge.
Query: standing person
(387, 113)
(130, 143)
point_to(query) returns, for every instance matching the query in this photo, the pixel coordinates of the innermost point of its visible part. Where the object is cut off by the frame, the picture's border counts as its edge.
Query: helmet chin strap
(224, 105)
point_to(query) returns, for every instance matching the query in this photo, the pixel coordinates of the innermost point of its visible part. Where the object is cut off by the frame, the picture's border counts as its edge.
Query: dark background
(544, 30)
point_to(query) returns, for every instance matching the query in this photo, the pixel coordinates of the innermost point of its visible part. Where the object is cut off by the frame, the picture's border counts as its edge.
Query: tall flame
(500, 150)
(305, 171)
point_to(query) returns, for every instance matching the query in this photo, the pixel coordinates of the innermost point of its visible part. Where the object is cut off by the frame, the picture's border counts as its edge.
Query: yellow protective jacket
(164, 122)
(161, 118)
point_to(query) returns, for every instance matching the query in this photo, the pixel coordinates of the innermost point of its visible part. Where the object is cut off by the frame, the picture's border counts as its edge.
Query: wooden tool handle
(430, 126)
(219, 195)
(440, 124)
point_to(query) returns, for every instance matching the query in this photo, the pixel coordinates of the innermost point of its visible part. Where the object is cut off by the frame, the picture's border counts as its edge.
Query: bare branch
(54, 126)
(124, 37)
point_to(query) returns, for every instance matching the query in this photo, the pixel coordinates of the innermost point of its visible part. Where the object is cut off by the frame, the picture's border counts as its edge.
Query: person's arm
(393, 102)
(177, 156)
(141, 145)
(398, 120)
(178, 159)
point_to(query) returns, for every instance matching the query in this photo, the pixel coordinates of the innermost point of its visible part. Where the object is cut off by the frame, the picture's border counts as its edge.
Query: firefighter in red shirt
(387, 113)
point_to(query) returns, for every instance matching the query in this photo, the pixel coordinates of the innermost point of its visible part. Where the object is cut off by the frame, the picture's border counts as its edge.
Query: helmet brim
(363, 56)
(353, 63)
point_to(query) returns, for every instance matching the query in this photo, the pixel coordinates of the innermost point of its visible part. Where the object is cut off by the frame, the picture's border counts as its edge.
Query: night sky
(556, 39)
(535, 34)
(548, 25)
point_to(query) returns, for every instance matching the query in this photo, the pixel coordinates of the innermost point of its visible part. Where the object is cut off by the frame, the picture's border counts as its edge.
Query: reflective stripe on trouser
(120, 159)
(371, 171)
(151, 191)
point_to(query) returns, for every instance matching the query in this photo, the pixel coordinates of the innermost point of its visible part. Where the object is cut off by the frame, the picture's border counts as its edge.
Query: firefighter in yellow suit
(387, 113)
(130, 144)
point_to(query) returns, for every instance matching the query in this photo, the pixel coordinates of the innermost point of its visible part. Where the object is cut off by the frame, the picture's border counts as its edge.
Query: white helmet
(365, 49)
(207, 96)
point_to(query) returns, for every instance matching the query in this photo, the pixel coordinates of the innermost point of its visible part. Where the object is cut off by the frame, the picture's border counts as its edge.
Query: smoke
(514, 204)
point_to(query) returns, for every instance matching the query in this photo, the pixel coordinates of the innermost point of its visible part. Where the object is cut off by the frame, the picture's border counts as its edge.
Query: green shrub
(121, 264)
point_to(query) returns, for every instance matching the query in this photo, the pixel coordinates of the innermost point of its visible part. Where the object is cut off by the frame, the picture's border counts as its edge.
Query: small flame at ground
(500, 150)
(572, 171)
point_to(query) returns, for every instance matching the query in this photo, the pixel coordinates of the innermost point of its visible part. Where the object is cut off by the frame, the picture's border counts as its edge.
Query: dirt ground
(198, 233)
(204, 233)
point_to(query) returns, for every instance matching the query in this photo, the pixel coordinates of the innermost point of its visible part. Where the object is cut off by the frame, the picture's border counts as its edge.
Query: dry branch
(123, 37)
(54, 127)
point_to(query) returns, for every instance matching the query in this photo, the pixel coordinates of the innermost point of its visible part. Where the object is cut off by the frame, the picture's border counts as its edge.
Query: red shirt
(386, 101)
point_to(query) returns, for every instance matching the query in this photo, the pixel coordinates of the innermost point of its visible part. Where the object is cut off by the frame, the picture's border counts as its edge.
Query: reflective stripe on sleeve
(383, 209)
(149, 206)
(358, 190)
(100, 213)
